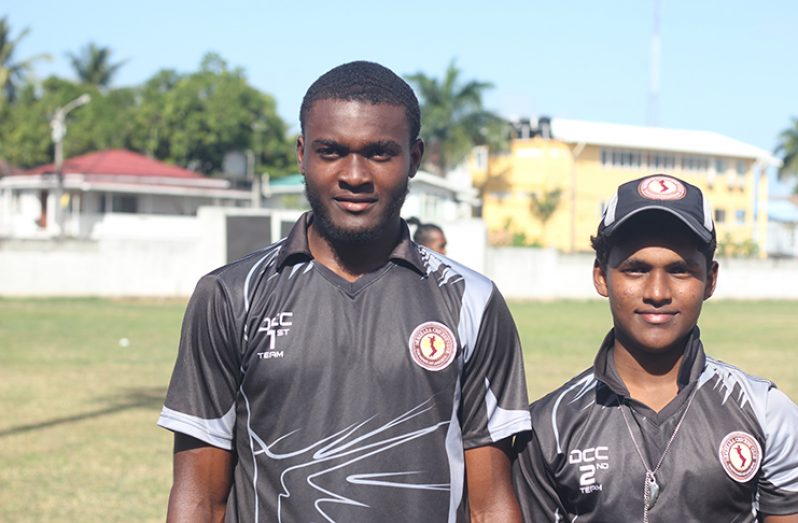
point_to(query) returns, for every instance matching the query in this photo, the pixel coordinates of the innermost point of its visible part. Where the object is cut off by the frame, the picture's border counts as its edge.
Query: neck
(651, 379)
(351, 260)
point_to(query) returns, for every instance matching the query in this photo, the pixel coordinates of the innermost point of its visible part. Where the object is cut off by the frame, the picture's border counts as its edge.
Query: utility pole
(58, 127)
(652, 116)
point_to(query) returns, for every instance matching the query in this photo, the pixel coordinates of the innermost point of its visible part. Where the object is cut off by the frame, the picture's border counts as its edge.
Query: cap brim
(698, 229)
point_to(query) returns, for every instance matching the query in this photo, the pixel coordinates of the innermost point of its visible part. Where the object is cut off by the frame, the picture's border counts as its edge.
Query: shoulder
(448, 271)
(730, 381)
(244, 267)
(472, 296)
(237, 279)
(732, 375)
(733, 388)
(557, 415)
(231, 287)
(568, 399)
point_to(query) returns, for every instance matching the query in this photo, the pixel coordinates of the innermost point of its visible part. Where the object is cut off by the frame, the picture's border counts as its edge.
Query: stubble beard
(334, 233)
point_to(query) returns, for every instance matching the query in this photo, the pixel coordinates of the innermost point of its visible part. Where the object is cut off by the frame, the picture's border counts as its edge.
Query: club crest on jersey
(740, 455)
(661, 188)
(432, 346)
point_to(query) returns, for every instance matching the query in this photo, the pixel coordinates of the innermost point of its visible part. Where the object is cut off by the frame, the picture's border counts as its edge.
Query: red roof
(118, 162)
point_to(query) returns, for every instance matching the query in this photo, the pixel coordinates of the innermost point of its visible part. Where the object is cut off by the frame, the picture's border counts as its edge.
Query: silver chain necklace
(650, 486)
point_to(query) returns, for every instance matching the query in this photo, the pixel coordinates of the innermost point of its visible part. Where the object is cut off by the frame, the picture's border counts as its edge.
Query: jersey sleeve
(494, 397)
(200, 401)
(778, 482)
(534, 485)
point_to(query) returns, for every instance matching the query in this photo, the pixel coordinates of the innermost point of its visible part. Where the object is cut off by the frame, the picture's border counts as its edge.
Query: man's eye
(380, 155)
(328, 153)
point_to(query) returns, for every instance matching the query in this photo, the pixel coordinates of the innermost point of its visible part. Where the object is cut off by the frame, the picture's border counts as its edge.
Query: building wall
(142, 267)
(87, 214)
(588, 174)
(541, 274)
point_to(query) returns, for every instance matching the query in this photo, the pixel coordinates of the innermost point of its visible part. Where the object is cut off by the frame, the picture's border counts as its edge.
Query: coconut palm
(543, 207)
(453, 118)
(93, 65)
(787, 149)
(12, 71)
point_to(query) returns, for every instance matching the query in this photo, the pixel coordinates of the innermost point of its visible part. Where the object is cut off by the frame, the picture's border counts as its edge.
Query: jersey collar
(296, 249)
(689, 370)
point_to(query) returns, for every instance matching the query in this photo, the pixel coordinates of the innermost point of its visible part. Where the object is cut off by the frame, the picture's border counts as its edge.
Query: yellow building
(575, 166)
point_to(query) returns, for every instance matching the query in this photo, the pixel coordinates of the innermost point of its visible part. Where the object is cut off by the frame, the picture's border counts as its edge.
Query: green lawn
(78, 440)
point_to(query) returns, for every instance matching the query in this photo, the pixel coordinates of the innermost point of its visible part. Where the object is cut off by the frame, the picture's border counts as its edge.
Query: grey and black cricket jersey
(735, 453)
(347, 401)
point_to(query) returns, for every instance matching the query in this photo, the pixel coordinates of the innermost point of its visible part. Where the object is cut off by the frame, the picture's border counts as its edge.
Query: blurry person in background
(429, 235)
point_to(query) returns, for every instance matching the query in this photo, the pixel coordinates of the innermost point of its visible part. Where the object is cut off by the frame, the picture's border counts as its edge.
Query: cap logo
(740, 455)
(432, 346)
(662, 188)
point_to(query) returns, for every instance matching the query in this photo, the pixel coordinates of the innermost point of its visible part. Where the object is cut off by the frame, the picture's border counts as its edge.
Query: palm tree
(453, 119)
(93, 65)
(543, 207)
(12, 72)
(787, 148)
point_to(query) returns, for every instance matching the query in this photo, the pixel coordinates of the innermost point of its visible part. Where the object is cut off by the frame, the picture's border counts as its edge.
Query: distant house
(95, 189)
(783, 227)
(577, 165)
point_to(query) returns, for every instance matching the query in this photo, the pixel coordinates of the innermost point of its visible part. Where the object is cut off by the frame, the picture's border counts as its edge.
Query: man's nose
(355, 171)
(657, 290)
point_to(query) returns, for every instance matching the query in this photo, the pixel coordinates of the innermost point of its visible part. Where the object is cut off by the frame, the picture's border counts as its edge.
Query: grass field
(78, 440)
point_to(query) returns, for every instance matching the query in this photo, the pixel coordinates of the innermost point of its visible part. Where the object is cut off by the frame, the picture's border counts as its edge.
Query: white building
(113, 192)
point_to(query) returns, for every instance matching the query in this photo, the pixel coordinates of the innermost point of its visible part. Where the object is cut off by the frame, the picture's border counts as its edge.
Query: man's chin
(352, 236)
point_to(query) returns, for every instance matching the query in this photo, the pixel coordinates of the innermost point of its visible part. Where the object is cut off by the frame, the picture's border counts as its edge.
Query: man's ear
(416, 154)
(300, 153)
(712, 280)
(600, 279)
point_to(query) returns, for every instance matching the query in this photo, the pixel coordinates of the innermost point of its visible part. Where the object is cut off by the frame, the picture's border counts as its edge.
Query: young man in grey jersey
(344, 373)
(657, 430)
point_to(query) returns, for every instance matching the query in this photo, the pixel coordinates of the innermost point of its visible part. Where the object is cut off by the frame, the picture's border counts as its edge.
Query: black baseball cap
(659, 192)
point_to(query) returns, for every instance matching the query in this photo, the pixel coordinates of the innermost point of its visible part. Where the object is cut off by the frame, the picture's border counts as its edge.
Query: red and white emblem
(432, 345)
(740, 455)
(662, 188)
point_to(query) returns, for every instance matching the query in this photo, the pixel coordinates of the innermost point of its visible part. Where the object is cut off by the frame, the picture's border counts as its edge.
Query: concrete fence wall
(522, 273)
(152, 265)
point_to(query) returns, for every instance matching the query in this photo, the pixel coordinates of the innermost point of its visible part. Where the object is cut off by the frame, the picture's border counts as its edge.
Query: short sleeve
(534, 485)
(200, 401)
(778, 482)
(494, 397)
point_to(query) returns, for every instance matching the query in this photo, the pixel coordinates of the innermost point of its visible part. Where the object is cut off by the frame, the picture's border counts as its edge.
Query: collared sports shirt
(736, 453)
(347, 401)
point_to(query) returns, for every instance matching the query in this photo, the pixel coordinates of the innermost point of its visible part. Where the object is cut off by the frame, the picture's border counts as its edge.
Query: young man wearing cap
(656, 430)
(344, 373)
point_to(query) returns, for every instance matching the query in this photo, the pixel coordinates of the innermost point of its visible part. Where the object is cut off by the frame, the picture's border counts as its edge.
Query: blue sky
(725, 66)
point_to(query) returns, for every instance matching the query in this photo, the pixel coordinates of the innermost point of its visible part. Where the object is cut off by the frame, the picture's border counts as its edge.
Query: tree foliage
(454, 119)
(787, 149)
(196, 119)
(93, 65)
(543, 207)
(191, 120)
(12, 71)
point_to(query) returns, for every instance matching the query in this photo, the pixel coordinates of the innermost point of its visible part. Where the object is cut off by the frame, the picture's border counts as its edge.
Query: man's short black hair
(647, 223)
(363, 81)
(424, 231)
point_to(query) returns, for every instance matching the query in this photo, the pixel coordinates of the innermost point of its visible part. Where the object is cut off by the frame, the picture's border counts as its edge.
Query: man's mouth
(655, 317)
(354, 204)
